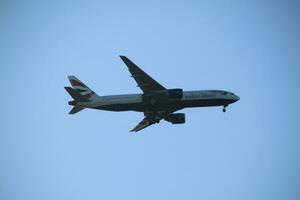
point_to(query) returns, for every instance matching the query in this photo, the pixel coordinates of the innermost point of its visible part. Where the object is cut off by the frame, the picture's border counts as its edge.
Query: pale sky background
(251, 48)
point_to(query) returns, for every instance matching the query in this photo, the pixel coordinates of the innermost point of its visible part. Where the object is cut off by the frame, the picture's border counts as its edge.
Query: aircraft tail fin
(81, 88)
(76, 95)
(75, 110)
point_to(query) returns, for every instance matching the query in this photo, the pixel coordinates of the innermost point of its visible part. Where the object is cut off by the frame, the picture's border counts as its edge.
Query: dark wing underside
(144, 81)
(149, 119)
(143, 124)
(148, 85)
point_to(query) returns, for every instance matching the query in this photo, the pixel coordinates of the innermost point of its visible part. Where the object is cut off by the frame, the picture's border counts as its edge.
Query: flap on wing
(144, 81)
(143, 124)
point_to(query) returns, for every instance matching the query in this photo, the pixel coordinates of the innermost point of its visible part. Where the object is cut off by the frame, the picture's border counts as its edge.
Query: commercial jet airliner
(156, 101)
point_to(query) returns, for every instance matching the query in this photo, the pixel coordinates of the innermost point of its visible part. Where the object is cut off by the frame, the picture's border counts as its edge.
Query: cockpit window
(224, 93)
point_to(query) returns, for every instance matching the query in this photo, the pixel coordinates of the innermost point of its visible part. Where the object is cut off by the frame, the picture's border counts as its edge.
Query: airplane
(156, 101)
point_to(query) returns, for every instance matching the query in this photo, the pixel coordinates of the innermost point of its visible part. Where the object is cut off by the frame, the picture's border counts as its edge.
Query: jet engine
(177, 118)
(175, 93)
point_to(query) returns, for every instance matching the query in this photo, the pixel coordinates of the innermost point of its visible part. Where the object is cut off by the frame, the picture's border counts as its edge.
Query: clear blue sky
(251, 48)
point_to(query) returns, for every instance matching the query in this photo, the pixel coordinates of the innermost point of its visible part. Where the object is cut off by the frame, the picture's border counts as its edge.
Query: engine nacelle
(177, 118)
(175, 93)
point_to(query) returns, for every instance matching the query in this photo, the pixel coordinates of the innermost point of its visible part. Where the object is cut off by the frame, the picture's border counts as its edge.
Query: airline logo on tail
(81, 88)
(80, 93)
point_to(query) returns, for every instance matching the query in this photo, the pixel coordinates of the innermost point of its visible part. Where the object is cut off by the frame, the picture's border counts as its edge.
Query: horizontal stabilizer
(75, 110)
(76, 95)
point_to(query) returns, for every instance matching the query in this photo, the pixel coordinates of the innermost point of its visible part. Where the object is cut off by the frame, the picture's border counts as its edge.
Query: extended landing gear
(154, 120)
(224, 108)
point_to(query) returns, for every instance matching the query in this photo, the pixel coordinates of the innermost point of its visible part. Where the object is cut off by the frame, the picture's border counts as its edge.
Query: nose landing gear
(224, 108)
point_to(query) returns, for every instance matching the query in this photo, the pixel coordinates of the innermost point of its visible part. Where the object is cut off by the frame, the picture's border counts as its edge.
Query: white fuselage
(127, 102)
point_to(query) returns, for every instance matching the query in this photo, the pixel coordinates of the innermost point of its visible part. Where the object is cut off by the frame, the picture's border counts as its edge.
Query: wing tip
(133, 131)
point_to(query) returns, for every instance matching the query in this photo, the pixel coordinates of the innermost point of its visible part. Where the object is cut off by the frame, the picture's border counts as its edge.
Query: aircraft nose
(236, 98)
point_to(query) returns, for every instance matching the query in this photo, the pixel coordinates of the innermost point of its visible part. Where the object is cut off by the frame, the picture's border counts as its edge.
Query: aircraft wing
(144, 81)
(149, 119)
(143, 124)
